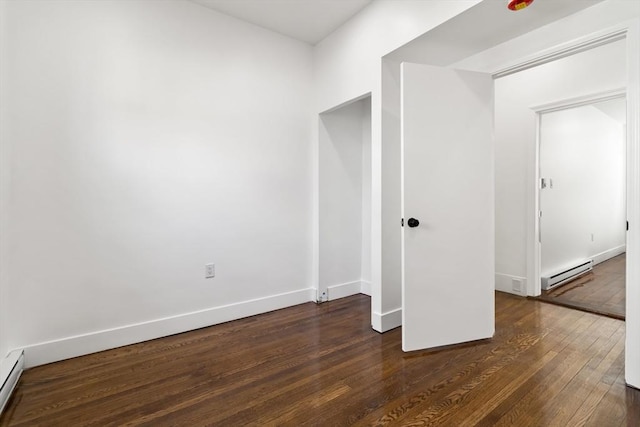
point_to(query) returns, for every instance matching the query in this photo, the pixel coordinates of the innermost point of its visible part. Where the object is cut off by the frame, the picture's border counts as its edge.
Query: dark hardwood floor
(323, 365)
(602, 291)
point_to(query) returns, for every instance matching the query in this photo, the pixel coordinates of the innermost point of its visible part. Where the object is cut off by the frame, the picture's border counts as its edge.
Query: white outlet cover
(209, 271)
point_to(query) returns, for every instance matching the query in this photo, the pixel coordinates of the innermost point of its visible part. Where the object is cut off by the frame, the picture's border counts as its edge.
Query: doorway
(345, 200)
(519, 96)
(583, 205)
(516, 244)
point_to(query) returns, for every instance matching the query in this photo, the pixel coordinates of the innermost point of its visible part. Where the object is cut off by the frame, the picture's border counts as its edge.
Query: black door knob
(413, 222)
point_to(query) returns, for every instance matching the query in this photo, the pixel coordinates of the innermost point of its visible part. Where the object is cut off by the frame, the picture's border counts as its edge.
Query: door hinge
(402, 222)
(627, 225)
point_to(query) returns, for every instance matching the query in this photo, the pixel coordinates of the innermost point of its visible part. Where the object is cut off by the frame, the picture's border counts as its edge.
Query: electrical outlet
(209, 271)
(516, 285)
(322, 297)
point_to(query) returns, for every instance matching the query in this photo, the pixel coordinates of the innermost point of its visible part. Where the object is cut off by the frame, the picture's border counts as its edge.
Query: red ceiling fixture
(518, 4)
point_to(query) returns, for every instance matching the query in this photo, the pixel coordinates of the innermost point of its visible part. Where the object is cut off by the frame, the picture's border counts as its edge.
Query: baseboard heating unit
(567, 274)
(10, 370)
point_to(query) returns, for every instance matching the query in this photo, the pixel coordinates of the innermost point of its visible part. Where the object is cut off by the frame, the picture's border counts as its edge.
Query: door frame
(385, 149)
(630, 32)
(566, 104)
(323, 292)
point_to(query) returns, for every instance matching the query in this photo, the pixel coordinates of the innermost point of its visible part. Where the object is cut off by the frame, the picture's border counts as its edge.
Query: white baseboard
(347, 289)
(511, 284)
(383, 322)
(365, 288)
(11, 368)
(606, 255)
(53, 351)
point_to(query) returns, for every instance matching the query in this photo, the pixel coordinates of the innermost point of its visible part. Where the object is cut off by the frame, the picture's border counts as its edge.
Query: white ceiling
(307, 20)
(481, 27)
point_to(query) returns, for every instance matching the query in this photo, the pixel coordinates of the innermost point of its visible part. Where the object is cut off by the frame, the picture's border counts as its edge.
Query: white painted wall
(147, 139)
(391, 190)
(348, 61)
(582, 152)
(4, 189)
(365, 264)
(345, 196)
(586, 73)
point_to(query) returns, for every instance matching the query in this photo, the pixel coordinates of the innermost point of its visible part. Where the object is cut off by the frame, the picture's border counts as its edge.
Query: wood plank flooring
(602, 291)
(322, 365)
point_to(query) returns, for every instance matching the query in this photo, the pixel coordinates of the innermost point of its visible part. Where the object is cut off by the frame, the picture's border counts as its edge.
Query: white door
(448, 187)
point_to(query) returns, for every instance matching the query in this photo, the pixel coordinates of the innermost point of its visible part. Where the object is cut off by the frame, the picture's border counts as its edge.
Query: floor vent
(10, 370)
(566, 275)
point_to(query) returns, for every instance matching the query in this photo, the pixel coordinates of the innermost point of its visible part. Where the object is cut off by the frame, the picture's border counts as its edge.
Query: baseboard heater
(567, 274)
(10, 370)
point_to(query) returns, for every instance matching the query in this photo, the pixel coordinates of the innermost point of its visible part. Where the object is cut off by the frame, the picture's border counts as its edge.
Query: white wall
(391, 189)
(147, 139)
(365, 256)
(590, 72)
(345, 198)
(4, 188)
(348, 61)
(582, 152)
